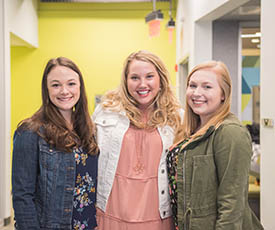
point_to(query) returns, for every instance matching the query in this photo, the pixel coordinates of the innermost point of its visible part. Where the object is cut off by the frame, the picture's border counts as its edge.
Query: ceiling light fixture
(153, 19)
(171, 24)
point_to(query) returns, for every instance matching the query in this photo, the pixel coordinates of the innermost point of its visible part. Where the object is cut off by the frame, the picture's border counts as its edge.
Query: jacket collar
(194, 143)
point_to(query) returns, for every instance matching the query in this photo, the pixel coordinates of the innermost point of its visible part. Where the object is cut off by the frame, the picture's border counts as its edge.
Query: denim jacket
(43, 181)
(111, 128)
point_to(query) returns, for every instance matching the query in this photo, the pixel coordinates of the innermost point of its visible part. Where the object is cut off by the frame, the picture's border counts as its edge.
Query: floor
(8, 227)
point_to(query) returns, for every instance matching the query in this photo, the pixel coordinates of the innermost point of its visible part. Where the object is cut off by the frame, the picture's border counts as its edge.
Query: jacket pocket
(204, 185)
(208, 222)
(105, 127)
(50, 158)
(105, 121)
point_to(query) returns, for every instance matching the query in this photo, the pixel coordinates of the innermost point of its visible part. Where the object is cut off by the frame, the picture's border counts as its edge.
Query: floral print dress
(85, 191)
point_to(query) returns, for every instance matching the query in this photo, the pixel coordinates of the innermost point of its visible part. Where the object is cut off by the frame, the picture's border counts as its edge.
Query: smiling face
(64, 89)
(143, 83)
(204, 94)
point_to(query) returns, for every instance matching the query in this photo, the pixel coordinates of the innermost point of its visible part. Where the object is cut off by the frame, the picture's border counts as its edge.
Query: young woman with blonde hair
(208, 168)
(136, 125)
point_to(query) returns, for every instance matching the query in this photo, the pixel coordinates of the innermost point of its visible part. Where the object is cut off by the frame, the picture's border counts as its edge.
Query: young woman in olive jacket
(209, 167)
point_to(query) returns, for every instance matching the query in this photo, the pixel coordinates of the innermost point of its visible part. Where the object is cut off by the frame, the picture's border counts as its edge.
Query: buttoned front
(111, 128)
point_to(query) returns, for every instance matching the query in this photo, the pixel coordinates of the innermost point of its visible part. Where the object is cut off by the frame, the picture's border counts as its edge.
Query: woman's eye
(134, 77)
(207, 87)
(72, 83)
(150, 76)
(192, 86)
(55, 85)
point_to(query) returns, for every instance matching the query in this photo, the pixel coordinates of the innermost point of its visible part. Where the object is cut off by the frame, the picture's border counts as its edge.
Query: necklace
(139, 143)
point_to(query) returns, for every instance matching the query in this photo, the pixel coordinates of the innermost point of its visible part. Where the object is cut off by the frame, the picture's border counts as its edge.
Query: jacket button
(167, 150)
(164, 213)
(162, 192)
(162, 171)
(50, 150)
(104, 122)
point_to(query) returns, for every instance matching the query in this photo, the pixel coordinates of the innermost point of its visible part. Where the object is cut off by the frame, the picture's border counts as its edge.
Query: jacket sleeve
(24, 176)
(232, 151)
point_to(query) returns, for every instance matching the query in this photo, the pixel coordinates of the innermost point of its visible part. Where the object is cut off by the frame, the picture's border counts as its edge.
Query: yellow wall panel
(97, 39)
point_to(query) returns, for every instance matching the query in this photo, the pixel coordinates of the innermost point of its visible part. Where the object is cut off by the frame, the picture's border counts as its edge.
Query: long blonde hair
(165, 107)
(191, 120)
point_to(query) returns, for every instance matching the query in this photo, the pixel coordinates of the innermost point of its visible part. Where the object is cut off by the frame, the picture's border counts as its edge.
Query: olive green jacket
(214, 194)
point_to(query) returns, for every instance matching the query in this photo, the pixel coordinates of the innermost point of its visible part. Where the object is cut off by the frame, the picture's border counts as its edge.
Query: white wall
(5, 189)
(19, 21)
(206, 7)
(23, 22)
(184, 28)
(184, 41)
(267, 109)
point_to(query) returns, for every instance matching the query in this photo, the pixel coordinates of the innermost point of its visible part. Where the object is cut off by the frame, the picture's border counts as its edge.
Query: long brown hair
(165, 107)
(49, 123)
(191, 120)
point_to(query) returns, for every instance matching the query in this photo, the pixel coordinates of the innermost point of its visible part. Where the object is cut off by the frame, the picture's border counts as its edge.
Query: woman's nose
(142, 82)
(197, 91)
(64, 90)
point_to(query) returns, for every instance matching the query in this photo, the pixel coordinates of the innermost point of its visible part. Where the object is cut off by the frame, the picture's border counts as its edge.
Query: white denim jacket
(111, 128)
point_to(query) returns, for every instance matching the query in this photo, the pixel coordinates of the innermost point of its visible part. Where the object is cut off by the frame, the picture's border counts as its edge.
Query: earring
(74, 109)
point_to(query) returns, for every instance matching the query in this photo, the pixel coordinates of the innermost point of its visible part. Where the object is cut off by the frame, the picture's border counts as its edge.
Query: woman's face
(64, 89)
(204, 94)
(143, 83)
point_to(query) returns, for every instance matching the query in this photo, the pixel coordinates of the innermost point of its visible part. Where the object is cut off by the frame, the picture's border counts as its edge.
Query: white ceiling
(249, 16)
(250, 11)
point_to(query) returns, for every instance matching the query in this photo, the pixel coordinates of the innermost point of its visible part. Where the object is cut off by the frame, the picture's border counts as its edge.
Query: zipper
(184, 192)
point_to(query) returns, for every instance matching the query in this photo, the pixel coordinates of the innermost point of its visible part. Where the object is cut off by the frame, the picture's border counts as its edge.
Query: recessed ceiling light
(255, 40)
(256, 35)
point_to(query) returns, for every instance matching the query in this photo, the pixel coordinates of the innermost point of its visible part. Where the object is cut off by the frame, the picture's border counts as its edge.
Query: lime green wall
(97, 37)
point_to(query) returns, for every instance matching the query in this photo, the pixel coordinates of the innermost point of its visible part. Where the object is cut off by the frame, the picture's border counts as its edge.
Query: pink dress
(133, 203)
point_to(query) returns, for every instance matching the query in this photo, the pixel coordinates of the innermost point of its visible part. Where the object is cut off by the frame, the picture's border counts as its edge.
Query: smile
(143, 92)
(65, 99)
(196, 102)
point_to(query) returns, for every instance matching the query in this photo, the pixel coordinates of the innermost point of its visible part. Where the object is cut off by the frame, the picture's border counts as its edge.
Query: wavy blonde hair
(191, 120)
(165, 107)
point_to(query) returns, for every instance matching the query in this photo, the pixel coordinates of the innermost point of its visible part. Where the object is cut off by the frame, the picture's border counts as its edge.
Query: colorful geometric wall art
(250, 78)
